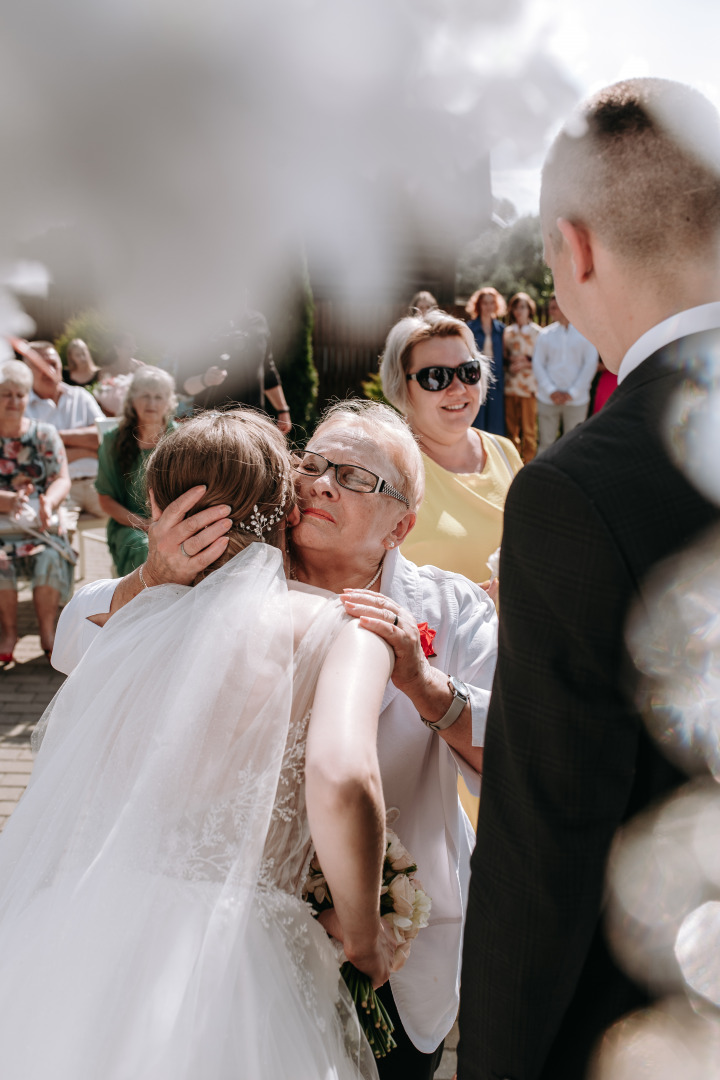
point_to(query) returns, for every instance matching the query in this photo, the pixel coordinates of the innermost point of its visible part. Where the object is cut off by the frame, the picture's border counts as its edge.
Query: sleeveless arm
(344, 794)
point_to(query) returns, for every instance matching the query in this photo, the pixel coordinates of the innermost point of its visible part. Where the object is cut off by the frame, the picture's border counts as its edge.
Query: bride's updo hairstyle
(243, 459)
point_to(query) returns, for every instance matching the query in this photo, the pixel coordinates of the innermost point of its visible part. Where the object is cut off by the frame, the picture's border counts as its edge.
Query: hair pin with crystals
(259, 523)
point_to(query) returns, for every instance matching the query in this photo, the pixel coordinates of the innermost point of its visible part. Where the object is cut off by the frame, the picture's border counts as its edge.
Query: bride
(151, 920)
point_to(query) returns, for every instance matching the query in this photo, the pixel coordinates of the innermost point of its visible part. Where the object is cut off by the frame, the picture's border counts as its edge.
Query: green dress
(128, 547)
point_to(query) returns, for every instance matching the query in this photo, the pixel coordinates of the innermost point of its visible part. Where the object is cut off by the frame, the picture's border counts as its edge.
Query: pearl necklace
(369, 585)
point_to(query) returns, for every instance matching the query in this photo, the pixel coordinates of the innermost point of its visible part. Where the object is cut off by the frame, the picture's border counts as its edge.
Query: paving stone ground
(26, 688)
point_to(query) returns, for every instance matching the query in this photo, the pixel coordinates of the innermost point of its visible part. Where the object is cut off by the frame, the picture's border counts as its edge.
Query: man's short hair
(639, 164)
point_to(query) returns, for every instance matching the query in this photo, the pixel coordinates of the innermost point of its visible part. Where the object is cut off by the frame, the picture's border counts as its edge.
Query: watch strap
(461, 696)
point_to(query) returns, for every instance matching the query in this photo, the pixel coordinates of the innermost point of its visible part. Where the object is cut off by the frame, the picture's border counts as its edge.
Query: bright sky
(599, 43)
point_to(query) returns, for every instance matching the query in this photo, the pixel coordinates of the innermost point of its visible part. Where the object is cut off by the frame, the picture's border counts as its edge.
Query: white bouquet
(405, 906)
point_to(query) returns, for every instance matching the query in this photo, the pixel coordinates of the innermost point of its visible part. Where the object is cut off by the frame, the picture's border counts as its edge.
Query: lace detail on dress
(203, 847)
(286, 915)
(288, 839)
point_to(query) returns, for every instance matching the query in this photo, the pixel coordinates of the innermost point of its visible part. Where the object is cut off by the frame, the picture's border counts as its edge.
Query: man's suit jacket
(567, 758)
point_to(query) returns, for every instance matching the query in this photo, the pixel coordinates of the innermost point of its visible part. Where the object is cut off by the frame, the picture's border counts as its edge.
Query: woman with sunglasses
(433, 373)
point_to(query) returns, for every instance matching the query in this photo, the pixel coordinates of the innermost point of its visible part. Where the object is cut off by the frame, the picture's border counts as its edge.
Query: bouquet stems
(373, 1016)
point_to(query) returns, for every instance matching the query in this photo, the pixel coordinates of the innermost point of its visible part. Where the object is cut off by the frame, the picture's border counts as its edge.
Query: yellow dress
(460, 521)
(460, 524)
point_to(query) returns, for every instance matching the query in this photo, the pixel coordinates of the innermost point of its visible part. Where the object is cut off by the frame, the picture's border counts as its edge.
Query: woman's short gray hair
(15, 373)
(392, 433)
(408, 333)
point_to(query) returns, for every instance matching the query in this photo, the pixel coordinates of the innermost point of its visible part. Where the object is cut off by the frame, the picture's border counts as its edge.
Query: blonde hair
(391, 433)
(242, 458)
(408, 333)
(72, 345)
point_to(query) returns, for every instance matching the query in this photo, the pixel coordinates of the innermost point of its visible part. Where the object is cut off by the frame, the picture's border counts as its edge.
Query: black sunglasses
(439, 378)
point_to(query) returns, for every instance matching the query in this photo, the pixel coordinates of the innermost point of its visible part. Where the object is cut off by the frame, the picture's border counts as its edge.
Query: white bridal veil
(138, 844)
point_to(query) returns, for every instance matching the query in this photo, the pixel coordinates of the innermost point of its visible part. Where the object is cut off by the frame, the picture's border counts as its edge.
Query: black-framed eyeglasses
(439, 378)
(351, 477)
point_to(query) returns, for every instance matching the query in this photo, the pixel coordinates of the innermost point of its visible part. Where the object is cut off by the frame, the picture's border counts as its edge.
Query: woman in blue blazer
(486, 307)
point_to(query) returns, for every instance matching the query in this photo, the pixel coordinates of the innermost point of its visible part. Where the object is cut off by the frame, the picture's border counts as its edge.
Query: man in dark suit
(630, 209)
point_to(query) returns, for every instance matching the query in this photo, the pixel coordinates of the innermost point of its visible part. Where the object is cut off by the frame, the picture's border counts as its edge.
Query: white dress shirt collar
(692, 321)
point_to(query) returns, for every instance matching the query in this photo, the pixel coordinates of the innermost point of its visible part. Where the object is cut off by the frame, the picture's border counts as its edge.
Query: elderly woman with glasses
(433, 373)
(359, 485)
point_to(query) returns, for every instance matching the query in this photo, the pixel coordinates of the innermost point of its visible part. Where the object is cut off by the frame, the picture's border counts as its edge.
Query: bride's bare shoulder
(306, 603)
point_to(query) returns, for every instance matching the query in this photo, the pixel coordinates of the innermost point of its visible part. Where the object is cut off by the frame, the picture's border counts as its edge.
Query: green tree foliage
(98, 332)
(94, 329)
(372, 388)
(510, 257)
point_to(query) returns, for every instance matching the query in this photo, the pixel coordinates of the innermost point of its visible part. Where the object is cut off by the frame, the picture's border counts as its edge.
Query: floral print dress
(35, 457)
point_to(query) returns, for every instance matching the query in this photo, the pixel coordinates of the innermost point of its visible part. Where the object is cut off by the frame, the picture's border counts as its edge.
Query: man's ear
(579, 242)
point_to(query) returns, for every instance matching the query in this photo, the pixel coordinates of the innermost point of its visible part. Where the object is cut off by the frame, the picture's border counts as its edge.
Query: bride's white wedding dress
(151, 926)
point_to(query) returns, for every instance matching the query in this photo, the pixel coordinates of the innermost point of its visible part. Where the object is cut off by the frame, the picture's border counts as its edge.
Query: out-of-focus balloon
(666, 1042)
(182, 150)
(698, 950)
(693, 424)
(654, 882)
(674, 640)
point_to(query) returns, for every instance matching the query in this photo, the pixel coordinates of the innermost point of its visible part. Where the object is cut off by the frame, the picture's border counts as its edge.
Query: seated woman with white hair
(433, 373)
(34, 481)
(359, 485)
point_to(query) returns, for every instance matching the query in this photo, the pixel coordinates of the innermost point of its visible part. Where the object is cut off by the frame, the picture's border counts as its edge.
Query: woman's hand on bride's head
(181, 547)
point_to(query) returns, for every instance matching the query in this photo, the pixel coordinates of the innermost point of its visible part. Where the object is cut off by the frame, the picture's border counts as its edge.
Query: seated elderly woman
(433, 373)
(147, 414)
(34, 481)
(359, 485)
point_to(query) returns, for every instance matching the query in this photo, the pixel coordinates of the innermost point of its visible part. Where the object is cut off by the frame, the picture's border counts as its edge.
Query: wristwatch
(461, 696)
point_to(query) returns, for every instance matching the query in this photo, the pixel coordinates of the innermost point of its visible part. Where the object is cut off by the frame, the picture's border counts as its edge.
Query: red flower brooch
(426, 638)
